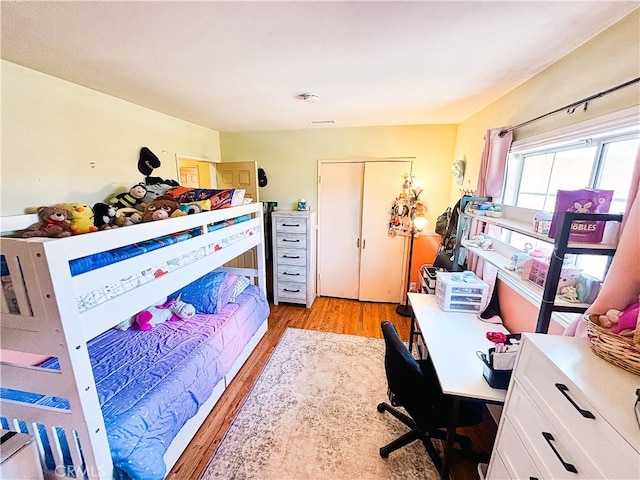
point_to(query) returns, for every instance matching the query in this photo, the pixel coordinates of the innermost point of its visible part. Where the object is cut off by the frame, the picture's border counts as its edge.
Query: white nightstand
(18, 456)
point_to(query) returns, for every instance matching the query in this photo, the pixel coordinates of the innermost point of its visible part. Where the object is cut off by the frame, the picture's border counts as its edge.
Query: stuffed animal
(131, 199)
(159, 209)
(173, 310)
(104, 216)
(128, 216)
(53, 222)
(81, 218)
(196, 207)
(154, 191)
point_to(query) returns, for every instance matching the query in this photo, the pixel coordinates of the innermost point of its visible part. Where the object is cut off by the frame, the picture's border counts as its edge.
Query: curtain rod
(572, 106)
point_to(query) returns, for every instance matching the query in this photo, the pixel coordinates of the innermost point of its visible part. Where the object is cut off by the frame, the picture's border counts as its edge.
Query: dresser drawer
(291, 240)
(541, 435)
(291, 257)
(497, 470)
(292, 291)
(513, 457)
(292, 273)
(552, 391)
(291, 225)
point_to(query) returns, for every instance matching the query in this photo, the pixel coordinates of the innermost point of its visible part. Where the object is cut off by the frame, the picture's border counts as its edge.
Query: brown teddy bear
(159, 209)
(54, 222)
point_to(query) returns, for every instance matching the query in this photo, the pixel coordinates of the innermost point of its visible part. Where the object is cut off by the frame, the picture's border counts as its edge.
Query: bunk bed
(93, 406)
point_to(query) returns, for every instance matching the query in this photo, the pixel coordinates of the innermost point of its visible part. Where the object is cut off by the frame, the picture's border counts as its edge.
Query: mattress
(97, 260)
(150, 383)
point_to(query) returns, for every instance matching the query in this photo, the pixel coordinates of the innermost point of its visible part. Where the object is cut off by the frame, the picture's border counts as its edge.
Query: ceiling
(242, 66)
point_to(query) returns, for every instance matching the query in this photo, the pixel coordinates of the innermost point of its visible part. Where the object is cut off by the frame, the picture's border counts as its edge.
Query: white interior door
(381, 261)
(339, 214)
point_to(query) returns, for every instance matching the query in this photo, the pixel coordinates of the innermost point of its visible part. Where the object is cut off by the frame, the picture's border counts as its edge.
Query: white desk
(452, 339)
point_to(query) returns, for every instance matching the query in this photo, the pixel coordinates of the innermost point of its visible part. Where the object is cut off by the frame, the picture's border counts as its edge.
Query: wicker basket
(617, 349)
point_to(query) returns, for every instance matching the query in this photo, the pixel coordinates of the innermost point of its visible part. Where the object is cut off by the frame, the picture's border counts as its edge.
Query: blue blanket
(150, 383)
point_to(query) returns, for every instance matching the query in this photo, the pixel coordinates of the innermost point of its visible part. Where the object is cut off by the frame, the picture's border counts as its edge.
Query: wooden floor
(329, 315)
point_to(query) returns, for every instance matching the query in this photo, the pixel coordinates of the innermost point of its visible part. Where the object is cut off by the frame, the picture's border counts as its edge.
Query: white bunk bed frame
(49, 322)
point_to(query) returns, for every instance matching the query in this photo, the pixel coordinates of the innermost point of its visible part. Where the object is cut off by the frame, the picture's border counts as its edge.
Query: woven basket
(617, 349)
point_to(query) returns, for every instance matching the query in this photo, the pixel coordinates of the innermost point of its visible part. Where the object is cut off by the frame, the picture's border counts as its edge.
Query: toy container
(460, 292)
(582, 201)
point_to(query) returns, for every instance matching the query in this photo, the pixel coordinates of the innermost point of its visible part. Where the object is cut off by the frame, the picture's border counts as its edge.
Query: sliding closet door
(381, 262)
(339, 216)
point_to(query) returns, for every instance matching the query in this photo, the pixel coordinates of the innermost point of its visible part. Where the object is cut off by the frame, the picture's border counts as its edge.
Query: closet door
(381, 260)
(356, 256)
(339, 217)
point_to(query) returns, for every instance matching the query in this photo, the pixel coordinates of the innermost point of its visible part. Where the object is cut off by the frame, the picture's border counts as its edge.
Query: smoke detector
(310, 97)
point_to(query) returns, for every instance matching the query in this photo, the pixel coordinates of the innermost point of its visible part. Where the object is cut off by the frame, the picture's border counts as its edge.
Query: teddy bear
(81, 217)
(159, 209)
(131, 199)
(173, 311)
(104, 216)
(54, 222)
(128, 216)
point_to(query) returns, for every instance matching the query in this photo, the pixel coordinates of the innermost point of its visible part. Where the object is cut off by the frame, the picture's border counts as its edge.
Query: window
(600, 155)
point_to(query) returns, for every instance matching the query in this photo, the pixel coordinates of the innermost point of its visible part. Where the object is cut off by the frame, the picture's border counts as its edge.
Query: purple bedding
(150, 383)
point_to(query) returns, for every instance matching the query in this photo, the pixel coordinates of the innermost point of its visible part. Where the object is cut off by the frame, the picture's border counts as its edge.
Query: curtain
(490, 184)
(621, 288)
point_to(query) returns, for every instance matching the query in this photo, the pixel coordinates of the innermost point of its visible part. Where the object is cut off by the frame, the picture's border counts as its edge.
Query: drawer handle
(567, 466)
(533, 478)
(290, 224)
(292, 274)
(287, 240)
(289, 256)
(564, 389)
(293, 291)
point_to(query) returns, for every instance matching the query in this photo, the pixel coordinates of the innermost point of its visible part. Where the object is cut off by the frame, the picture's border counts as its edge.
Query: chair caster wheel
(380, 407)
(384, 453)
(465, 444)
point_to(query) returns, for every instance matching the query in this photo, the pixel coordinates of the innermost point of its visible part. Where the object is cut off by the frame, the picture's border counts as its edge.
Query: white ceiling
(241, 66)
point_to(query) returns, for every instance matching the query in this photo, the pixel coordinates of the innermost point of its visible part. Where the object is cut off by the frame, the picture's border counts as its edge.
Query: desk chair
(413, 385)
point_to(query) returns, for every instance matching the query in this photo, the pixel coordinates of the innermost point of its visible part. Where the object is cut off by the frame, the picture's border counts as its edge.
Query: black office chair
(413, 385)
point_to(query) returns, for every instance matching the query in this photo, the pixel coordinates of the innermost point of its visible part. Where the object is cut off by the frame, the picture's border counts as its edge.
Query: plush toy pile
(152, 200)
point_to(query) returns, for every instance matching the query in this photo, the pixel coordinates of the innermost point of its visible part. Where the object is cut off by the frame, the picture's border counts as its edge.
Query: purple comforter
(150, 383)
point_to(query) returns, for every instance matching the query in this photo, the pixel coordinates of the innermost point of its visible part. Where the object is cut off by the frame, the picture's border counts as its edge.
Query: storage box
(537, 269)
(428, 279)
(461, 292)
(582, 201)
(495, 378)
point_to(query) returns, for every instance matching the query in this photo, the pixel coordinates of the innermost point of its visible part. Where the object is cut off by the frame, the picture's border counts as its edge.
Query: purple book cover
(582, 201)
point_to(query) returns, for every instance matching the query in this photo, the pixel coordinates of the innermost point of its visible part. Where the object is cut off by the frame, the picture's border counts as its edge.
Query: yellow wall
(53, 129)
(290, 158)
(609, 59)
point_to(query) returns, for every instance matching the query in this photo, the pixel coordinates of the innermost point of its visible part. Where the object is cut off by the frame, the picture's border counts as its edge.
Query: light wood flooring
(329, 315)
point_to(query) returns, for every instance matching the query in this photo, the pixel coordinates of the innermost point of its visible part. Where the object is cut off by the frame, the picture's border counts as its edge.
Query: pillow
(226, 291)
(241, 284)
(219, 198)
(203, 293)
(238, 197)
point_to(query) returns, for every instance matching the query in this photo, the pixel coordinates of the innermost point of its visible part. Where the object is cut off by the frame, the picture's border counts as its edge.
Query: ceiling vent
(322, 122)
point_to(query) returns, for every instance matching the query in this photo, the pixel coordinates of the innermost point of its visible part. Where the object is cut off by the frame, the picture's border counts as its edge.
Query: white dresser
(294, 257)
(568, 415)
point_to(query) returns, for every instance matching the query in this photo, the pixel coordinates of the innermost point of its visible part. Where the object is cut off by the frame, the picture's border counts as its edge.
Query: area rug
(312, 415)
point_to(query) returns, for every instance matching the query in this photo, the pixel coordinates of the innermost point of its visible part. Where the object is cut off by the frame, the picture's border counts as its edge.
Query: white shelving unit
(520, 220)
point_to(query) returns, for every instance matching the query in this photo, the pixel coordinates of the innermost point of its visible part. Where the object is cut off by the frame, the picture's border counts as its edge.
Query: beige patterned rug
(312, 415)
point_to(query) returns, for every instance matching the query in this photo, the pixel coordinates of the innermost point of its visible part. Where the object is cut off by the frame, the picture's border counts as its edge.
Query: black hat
(148, 161)
(262, 178)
